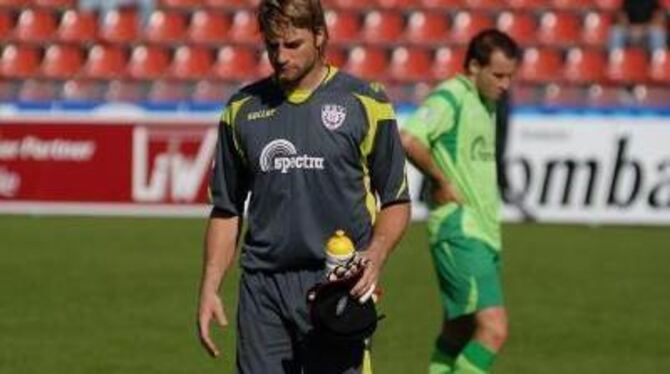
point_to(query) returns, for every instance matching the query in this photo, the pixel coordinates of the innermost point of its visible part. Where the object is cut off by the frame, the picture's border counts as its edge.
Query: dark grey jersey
(312, 164)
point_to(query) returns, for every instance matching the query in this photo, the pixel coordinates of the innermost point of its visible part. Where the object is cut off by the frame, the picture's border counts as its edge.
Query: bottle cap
(339, 244)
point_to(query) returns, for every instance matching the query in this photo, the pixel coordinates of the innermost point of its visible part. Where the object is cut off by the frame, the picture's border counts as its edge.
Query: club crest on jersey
(333, 115)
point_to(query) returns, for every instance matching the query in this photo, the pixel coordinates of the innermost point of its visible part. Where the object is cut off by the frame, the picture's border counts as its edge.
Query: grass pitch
(113, 295)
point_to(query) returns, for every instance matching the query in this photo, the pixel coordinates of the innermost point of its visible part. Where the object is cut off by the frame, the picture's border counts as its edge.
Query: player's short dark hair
(486, 42)
(274, 15)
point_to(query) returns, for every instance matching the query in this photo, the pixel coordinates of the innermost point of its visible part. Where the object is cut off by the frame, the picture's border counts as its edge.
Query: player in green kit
(451, 139)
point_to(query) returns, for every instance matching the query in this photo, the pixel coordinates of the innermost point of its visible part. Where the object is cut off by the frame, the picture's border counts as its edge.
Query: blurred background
(108, 114)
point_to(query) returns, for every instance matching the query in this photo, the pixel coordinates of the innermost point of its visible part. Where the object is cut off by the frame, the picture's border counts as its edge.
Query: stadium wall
(581, 167)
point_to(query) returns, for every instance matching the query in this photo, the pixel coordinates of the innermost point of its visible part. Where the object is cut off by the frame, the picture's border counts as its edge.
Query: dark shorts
(274, 330)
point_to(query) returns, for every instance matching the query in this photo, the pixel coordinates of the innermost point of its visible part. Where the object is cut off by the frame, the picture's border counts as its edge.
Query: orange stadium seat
(410, 65)
(426, 27)
(62, 61)
(627, 66)
(467, 24)
(599, 96)
(447, 62)
(209, 91)
(336, 56)
(235, 63)
(609, 5)
(367, 62)
(19, 61)
(6, 23)
(660, 67)
(559, 29)
(148, 62)
(540, 65)
(191, 63)
(56, 3)
(163, 91)
(556, 95)
(382, 27)
(35, 25)
(245, 28)
(165, 27)
(343, 26)
(120, 26)
(105, 62)
(208, 27)
(486, 4)
(82, 90)
(572, 4)
(442, 4)
(38, 90)
(529, 4)
(125, 91)
(521, 26)
(596, 29)
(585, 65)
(78, 27)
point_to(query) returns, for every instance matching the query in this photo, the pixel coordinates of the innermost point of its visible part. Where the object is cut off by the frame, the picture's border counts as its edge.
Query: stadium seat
(208, 27)
(426, 27)
(540, 65)
(235, 63)
(82, 90)
(227, 4)
(556, 95)
(382, 27)
(343, 26)
(125, 91)
(627, 66)
(584, 66)
(467, 24)
(442, 4)
(447, 62)
(609, 5)
(15, 3)
(264, 68)
(62, 61)
(35, 25)
(486, 4)
(367, 62)
(529, 4)
(336, 56)
(559, 29)
(120, 26)
(526, 95)
(606, 97)
(395, 4)
(148, 62)
(244, 28)
(651, 97)
(6, 23)
(596, 30)
(165, 91)
(181, 3)
(521, 26)
(78, 27)
(660, 67)
(410, 65)
(572, 4)
(64, 4)
(19, 61)
(165, 27)
(37, 90)
(355, 4)
(191, 63)
(105, 62)
(207, 91)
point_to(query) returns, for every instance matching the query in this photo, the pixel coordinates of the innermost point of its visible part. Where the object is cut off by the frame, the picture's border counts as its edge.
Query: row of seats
(554, 28)
(404, 64)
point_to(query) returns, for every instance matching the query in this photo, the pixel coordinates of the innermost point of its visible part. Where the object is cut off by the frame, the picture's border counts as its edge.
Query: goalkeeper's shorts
(468, 272)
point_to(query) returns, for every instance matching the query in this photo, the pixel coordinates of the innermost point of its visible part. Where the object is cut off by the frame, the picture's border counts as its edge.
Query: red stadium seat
(556, 95)
(585, 66)
(264, 68)
(368, 63)
(105, 62)
(355, 4)
(486, 4)
(19, 61)
(442, 4)
(526, 95)
(596, 29)
(148, 62)
(182, 3)
(559, 29)
(230, 3)
(410, 65)
(572, 4)
(15, 3)
(208, 27)
(627, 66)
(82, 90)
(245, 28)
(447, 62)
(191, 63)
(529, 4)
(395, 4)
(467, 24)
(343, 26)
(382, 27)
(599, 96)
(540, 65)
(38, 90)
(125, 91)
(62, 61)
(235, 63)
(660, 67)
(56, 3)
(163, 91)
(120, 26)
(6, 23)
(426, 27)
(521, 26)
(35, 25)
(78, 27)
(651, 97)
(336, 56)
(212, 92)
(609, 5)
(165, 27)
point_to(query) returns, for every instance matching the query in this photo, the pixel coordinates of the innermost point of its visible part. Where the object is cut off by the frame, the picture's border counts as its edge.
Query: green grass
(84, 295)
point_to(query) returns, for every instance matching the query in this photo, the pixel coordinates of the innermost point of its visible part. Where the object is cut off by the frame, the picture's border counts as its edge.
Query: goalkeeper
(451, 139)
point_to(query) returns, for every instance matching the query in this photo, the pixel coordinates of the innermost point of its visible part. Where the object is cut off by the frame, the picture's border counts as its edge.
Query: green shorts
(468, 271)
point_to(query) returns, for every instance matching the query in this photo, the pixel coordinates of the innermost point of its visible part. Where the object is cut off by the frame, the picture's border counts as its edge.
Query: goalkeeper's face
(494, 79)
(294, 53)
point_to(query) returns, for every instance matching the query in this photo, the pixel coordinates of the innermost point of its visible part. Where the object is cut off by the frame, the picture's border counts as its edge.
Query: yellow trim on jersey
(298, 96)
(228, 117)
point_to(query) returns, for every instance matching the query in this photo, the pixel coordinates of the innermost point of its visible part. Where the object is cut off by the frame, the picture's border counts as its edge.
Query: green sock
(474, 359)
(440, 362)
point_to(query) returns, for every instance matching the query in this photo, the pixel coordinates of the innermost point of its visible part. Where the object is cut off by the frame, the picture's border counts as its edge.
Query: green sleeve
(434, 118)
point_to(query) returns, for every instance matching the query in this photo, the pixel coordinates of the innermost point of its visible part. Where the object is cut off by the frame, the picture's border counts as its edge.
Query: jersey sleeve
(435, 117)
(228, 184)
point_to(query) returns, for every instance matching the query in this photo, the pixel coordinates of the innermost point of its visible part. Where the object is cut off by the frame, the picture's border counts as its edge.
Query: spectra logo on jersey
(280, 154)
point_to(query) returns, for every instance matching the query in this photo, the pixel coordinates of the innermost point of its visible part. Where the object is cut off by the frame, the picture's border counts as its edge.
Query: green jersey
(458, 127)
